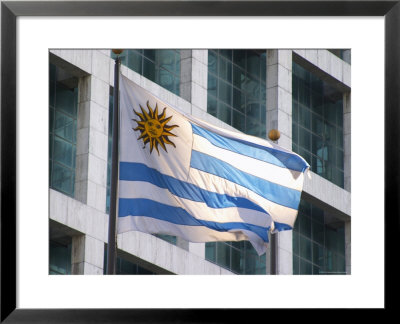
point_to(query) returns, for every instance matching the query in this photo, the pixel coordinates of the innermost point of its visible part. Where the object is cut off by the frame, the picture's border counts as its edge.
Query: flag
(182, 176)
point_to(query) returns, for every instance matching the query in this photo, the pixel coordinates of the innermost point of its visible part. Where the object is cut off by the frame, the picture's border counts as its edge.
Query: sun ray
(166, 133)
(146, 115)
(143, 136)
(165, 121)
(166, 140)
(159, 141)
(155, 115)
(156, 146)
(162, 115)
(141, 116)
(151, 145)
(142, 123)
(170, 127)
(138, 128)
(150, 110)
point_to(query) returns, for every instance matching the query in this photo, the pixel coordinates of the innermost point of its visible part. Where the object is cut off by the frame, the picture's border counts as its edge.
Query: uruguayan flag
(182, 176)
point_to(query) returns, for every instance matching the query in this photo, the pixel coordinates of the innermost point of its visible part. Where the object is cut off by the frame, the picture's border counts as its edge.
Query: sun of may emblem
(154, 129)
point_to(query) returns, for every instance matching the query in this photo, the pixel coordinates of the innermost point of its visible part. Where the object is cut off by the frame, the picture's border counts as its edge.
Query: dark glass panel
(149, 70)
(212, 85)
(239, 120)
(65, 99)
(239, 58)
(224, 92)
(305, 267)
(62, 179)
(239, 100)
(150, 54)
(224, 113)
(135, 61)
(212, 62)
(212, 105)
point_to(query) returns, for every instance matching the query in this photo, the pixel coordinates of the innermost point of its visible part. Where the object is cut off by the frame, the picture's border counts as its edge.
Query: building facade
(305, 94)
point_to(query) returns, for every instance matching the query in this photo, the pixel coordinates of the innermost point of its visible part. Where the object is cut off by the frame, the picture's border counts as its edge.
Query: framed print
(39, 42)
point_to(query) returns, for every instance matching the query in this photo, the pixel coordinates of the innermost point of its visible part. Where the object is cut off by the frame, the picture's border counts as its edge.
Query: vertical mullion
(217, 83)
(231, 86)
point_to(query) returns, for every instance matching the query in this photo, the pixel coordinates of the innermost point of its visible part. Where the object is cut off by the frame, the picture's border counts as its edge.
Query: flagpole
(273, 256)
(112, 235)
(274, 135)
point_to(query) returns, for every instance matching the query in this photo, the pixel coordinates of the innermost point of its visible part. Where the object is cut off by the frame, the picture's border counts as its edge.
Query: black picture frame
(10, 10)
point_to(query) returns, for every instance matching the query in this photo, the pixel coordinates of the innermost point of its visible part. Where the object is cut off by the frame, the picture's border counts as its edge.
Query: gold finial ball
(274, 134)
(117, 51)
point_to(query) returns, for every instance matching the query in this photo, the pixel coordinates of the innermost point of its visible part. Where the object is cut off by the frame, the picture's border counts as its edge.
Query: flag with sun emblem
(184, 177)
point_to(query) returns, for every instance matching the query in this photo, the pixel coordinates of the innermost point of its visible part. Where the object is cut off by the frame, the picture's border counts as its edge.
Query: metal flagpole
(112, 235)
(274, 135)
(273, 255)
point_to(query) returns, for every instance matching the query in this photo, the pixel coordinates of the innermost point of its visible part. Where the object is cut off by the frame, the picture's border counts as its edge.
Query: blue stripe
(253, 150)
(179, 216)
(282, 226)
(130, 171)
(273, 192)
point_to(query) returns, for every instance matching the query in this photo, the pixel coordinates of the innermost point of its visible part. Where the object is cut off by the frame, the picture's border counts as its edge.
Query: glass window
(224, 112)
(126, 267)
(237, 89)
(238, 257)
(318, 242)
(238, 120)
(212, 105)
(63, 106)
(160, 66)
(168, 238)
(317, 124)
(59, 258)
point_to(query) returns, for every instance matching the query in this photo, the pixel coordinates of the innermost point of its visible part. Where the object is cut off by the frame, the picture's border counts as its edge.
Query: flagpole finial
(274, 135)
(117, 51)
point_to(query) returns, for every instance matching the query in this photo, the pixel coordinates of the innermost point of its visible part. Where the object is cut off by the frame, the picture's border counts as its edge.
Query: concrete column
(195, 248)
(87, 256)
(279, 94)
(194, 73)
(92, 140)
(186, 75)
(347, 140)
(279, 116)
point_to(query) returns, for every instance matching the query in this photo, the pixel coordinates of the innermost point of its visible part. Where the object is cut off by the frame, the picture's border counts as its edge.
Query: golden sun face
(154, 129)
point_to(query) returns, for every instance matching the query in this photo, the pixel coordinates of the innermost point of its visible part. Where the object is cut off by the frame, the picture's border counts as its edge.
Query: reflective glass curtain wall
(238, 257)
(318, 242)
(237, 89)
(317, 124)
(59, 258)
(125, 267)
(63, 103)
(161, 66)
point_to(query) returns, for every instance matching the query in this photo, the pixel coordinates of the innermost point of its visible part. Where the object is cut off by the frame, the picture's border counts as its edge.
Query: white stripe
(199, 210)
(235, 134)
(195, 234)
(284, 177)
(214, 183)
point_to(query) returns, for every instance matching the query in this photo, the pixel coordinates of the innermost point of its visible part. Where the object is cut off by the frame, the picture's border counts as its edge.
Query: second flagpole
(112, 234)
